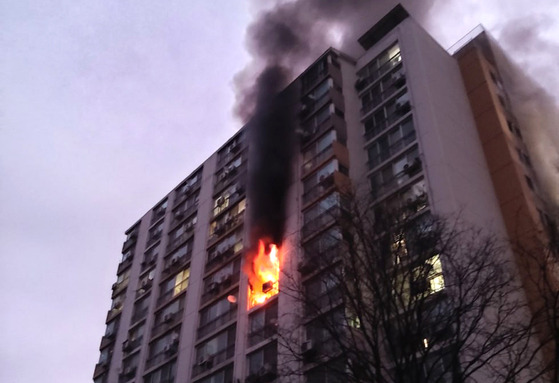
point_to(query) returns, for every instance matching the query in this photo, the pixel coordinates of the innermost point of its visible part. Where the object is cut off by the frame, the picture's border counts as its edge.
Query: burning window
(264, 279)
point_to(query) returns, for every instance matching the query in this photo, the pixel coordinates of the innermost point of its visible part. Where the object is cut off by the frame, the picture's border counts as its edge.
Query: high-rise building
(405, 121)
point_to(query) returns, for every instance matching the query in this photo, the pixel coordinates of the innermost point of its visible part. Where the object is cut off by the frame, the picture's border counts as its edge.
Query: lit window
(181, 281)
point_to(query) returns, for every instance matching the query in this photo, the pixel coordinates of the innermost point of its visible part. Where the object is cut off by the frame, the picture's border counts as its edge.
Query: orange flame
(264, 283)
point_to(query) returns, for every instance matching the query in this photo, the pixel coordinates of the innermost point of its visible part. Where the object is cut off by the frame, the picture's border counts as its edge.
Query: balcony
(113, 313)
(379, 97)
(269, 330)
(325, 185)
(175, 243)
(100, 368)
(316, 75)
(153, 237)
(167, 296)
(315, 262)
(215, 289)
(168, 351)
(323, 221)
(363, 83)
(234, 150)
(130, 241)
(179, 215)
(130, 345)
(125, 264)
(167, 322)
(392, 150)
(224, 228)
(139, 314)
(398, 180)
(217, 322)
(127, 374)
(119, 288)
(107, 340)
(216, 258)
(173, 265)
(336, 150)
(312, 131)
(145, 287)
(157, 215)
(148, 262)
(206, 363)
(267, 373)
(227, 178)
(181, 197)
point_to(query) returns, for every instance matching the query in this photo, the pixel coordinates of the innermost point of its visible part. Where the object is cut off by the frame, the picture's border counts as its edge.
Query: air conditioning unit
(403, 104)
(206, 362)
(168, 317)
(220, 201)
(179, 214)
(307, 348)
(174, 261)
(398, 79)
(360, 83)
(213, 287)
(226, 280)
(115, 286)
(146, 283)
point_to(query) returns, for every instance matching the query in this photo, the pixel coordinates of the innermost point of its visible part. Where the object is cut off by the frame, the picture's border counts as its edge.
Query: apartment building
(403, 121)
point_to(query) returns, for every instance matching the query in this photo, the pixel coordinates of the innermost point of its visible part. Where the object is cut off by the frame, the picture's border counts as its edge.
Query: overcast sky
(107, 105)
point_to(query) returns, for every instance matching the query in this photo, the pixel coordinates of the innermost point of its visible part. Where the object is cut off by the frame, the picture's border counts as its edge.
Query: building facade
(404, 121)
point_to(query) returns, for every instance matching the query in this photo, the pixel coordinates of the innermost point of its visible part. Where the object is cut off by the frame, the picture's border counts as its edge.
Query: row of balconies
(379, 96)
(363, 83)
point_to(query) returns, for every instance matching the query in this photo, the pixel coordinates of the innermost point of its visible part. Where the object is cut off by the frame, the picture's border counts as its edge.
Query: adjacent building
(405, 121)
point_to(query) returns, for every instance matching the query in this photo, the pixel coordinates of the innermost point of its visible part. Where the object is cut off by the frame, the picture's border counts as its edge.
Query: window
(228, 220)
(428, 277)
(155, 233)
(215, 350)
(163, 348)
(263, 362)
(217, 314)
(391, 143)
(263, 323)
(164, 374)
(168, 316)
(385, 61)
(140, 309)
(221, 280)
(319, 70)
(222, 376)
(122, 279)
(127, 255)
(227, 197)
(324, 206)
(397, 172)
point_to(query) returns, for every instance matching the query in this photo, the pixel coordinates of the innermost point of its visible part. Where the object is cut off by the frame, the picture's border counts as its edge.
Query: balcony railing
(266, 332)
(399, 179)
(113, 313)
(393, 62)
(379, 97)
(162, 356)
(139, 314)
(157, 215)
(175, 243)
(180, 215)
(224, 228)
(130, 345)
(214, 289)
(234, 174)
(322, 221)
(130, 241)
(206, 363)
(392, 150)
(167, 296)
(222, 256)
(312, 131)
(322, 187)
(175, 264)
(181, 197)
(166, 322)
(125, 264)
(319, 158)
(216, 323)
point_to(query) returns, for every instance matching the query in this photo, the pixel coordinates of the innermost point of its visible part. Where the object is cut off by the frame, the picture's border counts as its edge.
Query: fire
(264, 283)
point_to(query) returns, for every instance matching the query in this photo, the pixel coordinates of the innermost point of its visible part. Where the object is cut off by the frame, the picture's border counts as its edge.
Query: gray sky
(105, 106)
